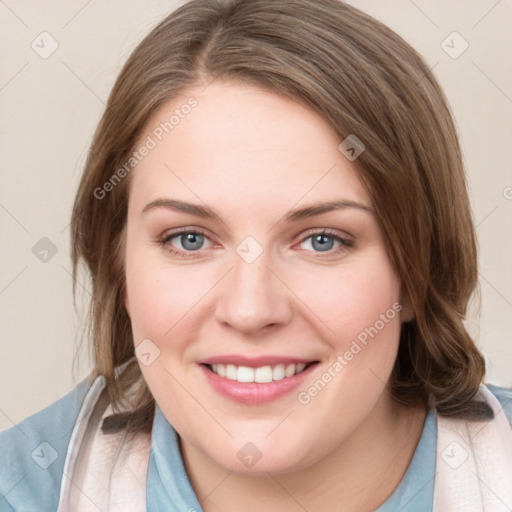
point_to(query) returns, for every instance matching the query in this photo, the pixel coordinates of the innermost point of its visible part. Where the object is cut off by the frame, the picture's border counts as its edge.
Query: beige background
(49, 109)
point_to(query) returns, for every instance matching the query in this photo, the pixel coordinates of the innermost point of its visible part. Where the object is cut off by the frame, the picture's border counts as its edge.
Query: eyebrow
(293, 216)
(318, 209)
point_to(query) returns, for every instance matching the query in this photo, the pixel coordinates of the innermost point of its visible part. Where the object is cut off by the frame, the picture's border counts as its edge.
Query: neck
(359, 474)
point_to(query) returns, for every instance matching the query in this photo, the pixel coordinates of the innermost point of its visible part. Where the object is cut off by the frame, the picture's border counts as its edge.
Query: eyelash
(164, 242)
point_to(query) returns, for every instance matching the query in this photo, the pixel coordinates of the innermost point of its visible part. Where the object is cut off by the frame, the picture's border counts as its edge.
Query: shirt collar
(169, 488)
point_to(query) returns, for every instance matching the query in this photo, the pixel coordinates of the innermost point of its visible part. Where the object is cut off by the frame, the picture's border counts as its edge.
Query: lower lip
(253, 393)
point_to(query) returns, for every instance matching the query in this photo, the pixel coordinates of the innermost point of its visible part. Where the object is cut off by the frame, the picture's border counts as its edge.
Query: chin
(263, 456)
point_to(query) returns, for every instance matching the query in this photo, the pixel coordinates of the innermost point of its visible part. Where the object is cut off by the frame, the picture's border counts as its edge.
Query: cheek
(156, 302)
(163, 299)
(362, 355)
(353, 299)
(360, 321)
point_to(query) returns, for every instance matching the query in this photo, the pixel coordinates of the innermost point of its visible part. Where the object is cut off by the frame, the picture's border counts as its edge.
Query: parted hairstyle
(363, 79)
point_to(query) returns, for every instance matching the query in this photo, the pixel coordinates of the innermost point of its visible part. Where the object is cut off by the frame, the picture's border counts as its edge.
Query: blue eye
(187, 241)
(325, 242)
(322, 242)
(190, 243)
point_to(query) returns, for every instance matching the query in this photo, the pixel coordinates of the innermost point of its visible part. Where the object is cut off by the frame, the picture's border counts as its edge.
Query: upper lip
(255, 362)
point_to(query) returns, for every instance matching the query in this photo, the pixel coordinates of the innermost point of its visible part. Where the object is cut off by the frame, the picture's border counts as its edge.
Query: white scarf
(474, 463)
(102, 472)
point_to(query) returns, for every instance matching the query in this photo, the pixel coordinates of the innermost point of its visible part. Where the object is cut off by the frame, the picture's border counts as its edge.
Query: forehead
(243, 144)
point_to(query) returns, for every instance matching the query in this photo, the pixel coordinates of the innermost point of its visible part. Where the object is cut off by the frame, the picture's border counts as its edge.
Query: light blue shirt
(32, 456)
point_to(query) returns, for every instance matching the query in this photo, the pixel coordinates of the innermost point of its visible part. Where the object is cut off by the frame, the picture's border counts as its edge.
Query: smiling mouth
(261, 375)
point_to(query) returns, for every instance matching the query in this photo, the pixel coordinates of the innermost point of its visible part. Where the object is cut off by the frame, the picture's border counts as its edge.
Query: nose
(253, 297)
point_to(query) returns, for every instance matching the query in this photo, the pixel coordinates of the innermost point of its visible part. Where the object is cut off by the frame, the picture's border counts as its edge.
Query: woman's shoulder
(33, 454)
(504, 396)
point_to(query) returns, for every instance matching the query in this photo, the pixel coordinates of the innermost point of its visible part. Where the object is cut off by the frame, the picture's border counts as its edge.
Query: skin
(253, 156)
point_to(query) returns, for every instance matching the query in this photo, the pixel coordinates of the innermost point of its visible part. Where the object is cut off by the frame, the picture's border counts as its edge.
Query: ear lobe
(407, 313)
(126, 301)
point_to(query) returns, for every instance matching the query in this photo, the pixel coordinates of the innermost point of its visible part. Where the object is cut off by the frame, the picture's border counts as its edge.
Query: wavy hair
(363, 79)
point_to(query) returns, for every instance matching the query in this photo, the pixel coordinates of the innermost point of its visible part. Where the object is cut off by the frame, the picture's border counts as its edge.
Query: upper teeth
(262, 374)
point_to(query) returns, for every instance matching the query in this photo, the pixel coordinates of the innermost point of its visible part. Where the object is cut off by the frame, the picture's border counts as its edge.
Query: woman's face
(265, 311)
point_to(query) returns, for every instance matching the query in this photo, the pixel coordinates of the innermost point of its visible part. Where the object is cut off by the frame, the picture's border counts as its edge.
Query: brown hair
(363, 79)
